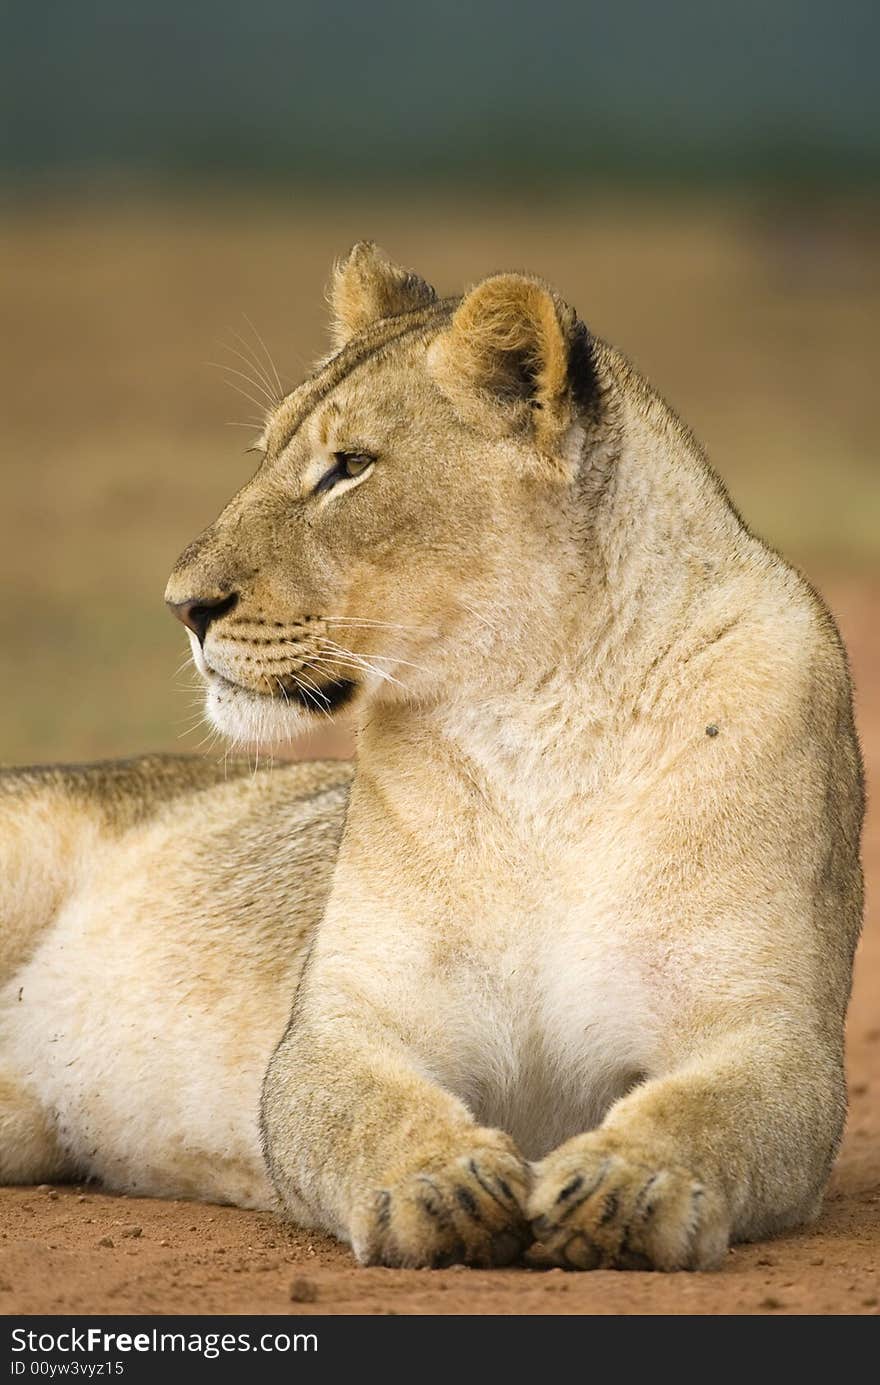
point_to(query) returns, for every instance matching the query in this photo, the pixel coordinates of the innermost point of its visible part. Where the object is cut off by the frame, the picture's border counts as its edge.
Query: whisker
(268, 354)
(256, 402)
(307, 684)
(364, 622)
(289, 734)
(260, 373)
(210, 739)
(356, 663)
(253, 356)
(193, 726)
(244, 394)
(478, 616)
(368, 654)
(231, 370)
(384, 658)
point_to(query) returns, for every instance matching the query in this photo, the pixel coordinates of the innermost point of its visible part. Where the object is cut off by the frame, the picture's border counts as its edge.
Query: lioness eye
(345, 467)
(353, 463)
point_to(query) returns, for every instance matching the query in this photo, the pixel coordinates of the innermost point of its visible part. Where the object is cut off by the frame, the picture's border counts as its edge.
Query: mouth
(257, 718)
(327, 697)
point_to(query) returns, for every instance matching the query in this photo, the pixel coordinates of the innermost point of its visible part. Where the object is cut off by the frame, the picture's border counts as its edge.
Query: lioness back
(54, 818)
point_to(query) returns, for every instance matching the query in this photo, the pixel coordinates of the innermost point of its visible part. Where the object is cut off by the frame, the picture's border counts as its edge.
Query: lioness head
(406, 509)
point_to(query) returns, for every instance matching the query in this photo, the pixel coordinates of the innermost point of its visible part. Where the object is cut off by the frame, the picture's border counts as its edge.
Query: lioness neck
(550, 686)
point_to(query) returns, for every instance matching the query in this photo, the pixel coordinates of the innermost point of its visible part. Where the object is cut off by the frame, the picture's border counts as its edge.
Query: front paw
(466, 1209)
(601, 1203)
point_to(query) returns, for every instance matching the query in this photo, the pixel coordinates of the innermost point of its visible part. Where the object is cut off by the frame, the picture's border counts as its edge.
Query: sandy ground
(75, 1250)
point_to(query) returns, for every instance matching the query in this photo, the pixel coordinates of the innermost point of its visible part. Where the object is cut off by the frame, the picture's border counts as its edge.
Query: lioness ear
(516, 357)
(367, 286)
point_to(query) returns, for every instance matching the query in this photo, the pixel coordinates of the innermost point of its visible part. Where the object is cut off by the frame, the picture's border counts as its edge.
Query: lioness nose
(199, 613)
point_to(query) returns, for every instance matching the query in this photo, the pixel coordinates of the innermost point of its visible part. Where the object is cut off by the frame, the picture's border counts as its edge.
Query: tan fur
(583, 964)
(367, 286)
(507, 354)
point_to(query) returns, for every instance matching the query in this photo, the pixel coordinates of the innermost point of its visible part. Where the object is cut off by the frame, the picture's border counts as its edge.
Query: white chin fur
(250, 719)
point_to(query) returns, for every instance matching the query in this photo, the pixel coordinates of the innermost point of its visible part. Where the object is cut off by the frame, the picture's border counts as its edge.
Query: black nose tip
(199, 613)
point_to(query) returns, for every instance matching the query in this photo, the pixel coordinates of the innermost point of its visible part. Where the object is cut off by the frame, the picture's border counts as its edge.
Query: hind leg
(29, 1147)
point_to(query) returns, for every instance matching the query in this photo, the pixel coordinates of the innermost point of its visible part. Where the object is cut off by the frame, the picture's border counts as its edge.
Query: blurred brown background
(170, 181)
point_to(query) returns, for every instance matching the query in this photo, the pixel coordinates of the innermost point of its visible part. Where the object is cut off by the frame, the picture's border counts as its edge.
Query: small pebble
(712, 730)
(132, 1231)
(303, 1291)
(106, 1241)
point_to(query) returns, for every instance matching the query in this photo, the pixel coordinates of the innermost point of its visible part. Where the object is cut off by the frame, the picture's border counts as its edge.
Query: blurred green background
(700, 180)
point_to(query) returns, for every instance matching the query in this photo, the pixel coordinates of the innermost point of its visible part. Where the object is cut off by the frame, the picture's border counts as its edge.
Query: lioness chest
(533, 999)
(557, 1030)
(550, 1042)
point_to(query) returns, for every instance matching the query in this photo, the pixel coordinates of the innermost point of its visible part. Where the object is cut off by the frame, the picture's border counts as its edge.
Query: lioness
(589, 904)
